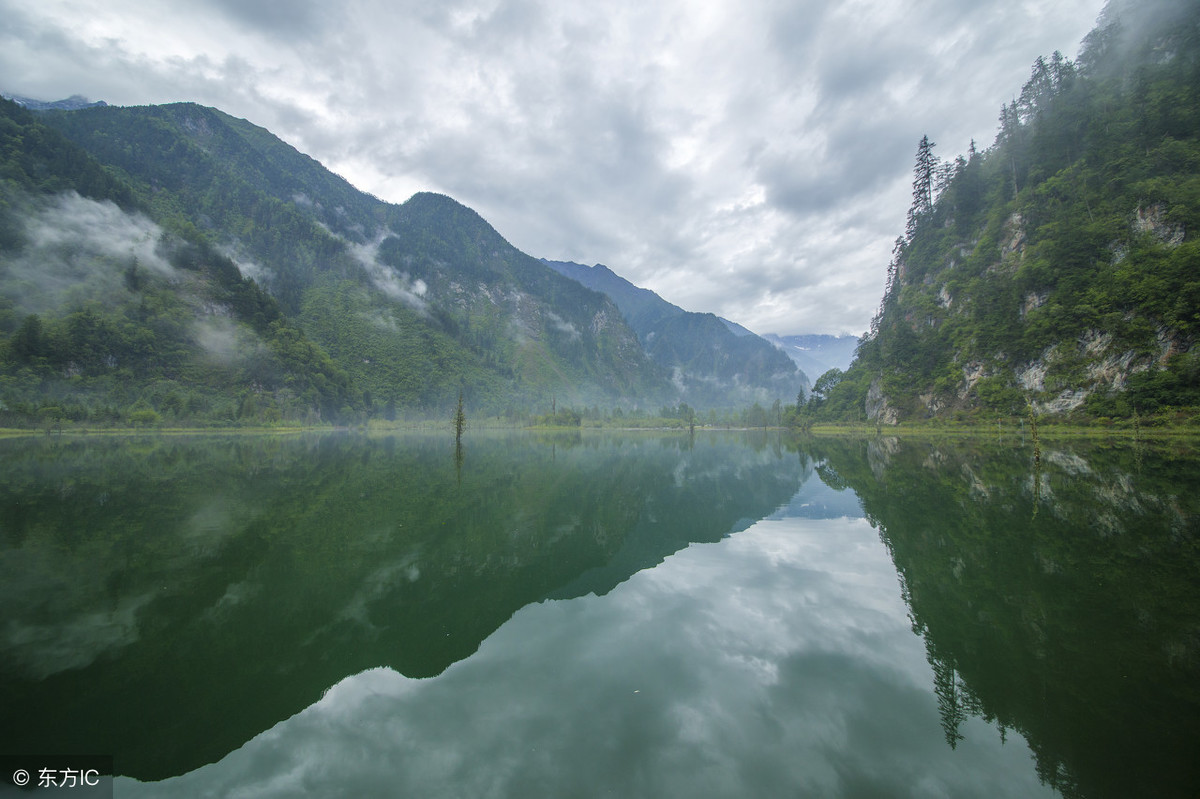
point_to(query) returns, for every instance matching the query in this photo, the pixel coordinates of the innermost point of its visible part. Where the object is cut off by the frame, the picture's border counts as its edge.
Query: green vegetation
(717, 366)
(107, 319)
(173, 266)
(1060, 266)
(1054, 598)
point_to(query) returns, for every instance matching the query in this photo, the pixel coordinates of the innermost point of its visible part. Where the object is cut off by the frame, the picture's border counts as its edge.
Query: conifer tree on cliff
(923, 174)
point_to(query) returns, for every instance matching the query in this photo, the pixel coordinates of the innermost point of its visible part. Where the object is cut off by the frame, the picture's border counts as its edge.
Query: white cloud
(79, 250)
(750, 158)
(397, 285)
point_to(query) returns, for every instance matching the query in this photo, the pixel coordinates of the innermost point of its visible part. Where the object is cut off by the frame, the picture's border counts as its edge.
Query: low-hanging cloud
(250, 268)
(224, 342)
(76, 250)
(396, 285)
(562, 325)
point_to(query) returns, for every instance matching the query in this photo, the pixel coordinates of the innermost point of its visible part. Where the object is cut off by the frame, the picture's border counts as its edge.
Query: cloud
(562, 325)
(41, 650)
(225, 342)
(79, 250)
(677, 143)
(397, 285)
(249, 268)
(294, 18)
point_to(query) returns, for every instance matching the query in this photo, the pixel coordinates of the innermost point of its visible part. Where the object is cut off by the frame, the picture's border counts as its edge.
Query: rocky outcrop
(1153, 220)
(878, 408)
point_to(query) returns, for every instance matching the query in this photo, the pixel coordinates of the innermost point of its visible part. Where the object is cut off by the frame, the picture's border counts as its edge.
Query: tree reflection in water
(1059, 599)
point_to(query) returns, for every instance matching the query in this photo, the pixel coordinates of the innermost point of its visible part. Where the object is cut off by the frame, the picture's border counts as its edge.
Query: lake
(642, 615)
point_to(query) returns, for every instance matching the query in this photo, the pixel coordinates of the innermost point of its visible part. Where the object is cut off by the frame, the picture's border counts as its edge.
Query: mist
(1123, 24)
(76, 250)
(225, 342)
(397, 285)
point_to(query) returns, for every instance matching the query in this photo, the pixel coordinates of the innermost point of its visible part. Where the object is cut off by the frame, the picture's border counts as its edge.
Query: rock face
(878, 409)
(1153, 220)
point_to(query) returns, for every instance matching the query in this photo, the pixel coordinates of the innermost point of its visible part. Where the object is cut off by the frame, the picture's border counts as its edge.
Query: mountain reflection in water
(1061, 600)
(167, 599)
(351, 615)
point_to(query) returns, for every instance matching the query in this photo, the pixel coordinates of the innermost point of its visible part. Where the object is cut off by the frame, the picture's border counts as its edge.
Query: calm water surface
(647, 615)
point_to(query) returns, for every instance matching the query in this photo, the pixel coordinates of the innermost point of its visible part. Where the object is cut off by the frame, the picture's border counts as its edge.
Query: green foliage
(37, 158)
(390, 351)
(358, 308)
(1071, 239)
(91, 359)
(717, 366)
(143, 417)
(145, 353)
(836, 396)
(562, 417)
(682, 411)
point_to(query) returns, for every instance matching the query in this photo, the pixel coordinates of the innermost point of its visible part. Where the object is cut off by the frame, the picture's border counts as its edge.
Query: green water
(728, 615)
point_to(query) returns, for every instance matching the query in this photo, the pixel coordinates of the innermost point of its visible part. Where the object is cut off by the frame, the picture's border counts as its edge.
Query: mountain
(816, 354)
(642, 308)
(735, 328)
(179, 229)
(72, 103)
(1059, 269)
(105, 317)
(713, 362)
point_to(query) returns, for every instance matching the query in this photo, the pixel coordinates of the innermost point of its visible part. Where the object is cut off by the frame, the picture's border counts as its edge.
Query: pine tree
(924, 171)
(1010, 138)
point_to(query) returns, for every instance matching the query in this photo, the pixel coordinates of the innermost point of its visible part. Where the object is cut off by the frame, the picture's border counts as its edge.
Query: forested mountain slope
(107, 317)
(1060, 267)
(712, 362)
(440, 299)
(641, 307)
(404, 306)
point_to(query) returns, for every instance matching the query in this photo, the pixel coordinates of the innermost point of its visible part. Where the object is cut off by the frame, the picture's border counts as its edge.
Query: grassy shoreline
(975, 430)
(1156, 428)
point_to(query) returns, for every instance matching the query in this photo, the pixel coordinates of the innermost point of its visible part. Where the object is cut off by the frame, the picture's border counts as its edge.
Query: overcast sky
(752, 158)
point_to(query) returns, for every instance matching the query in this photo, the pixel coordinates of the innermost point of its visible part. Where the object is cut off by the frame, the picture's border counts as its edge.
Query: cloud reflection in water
(779, 661)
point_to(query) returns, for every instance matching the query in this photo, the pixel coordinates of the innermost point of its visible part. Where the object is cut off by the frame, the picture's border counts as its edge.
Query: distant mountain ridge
(712, 361)
(641, 307)
(72, 103)
(816, 354)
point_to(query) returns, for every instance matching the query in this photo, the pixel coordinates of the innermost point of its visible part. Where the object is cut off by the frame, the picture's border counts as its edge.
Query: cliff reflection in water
(165, 600)
(1062, 601)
